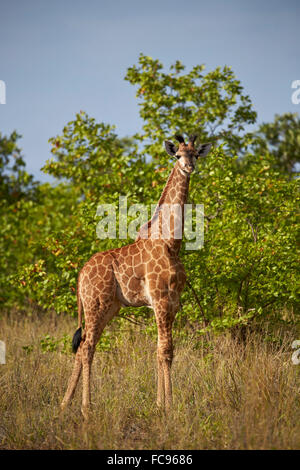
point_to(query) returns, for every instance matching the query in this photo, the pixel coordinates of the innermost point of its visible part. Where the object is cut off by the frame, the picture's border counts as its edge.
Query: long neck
(167, 222)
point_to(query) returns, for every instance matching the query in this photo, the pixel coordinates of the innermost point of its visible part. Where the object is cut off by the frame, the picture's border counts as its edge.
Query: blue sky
(60, 57)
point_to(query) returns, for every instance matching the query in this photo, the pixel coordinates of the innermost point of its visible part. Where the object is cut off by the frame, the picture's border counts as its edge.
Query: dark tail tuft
(76, 340)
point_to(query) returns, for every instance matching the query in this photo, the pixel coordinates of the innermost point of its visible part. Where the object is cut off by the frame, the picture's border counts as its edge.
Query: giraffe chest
(143, 284)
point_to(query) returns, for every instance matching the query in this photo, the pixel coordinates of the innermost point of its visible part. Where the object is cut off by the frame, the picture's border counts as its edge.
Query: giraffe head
(186, 154)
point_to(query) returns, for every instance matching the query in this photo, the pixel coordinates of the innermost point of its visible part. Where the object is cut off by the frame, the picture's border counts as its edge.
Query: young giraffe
(147, 272)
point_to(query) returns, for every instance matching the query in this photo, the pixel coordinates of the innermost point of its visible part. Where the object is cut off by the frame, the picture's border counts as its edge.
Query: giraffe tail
(77, 338)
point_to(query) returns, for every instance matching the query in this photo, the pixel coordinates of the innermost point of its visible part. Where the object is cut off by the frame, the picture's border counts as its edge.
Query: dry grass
(226, 395)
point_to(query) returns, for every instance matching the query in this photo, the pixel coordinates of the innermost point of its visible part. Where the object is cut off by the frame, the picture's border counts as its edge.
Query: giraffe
(147, 272)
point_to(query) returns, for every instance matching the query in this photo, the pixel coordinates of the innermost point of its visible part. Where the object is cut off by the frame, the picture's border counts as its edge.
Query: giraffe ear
(203, 150)
(170, 148)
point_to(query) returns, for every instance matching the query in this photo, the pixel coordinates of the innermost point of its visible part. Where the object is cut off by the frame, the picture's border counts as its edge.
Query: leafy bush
(247, 268)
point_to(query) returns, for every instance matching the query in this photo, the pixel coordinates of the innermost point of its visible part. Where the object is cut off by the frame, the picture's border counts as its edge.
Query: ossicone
(179, 138)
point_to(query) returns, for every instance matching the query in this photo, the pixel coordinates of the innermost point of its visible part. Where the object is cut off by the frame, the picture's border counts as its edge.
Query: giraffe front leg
(166, 354)
(164, 358)
(160, 384)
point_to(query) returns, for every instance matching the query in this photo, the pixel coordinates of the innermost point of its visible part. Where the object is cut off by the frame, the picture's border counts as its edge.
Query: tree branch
(206, 322)
(132, 321)
(254, 232)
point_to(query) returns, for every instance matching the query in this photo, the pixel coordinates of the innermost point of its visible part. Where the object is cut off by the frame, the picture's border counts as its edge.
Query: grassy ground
(227, 395)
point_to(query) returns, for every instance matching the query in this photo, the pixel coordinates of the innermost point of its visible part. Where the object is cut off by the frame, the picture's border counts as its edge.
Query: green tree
(211, 105)
(15, 182)
(247, 268)
(29, 212)
(281, 138)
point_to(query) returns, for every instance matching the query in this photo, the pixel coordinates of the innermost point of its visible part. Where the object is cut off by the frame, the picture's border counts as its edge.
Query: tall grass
(227, 394)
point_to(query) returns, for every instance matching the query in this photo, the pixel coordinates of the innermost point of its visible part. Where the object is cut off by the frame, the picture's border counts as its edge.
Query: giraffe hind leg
(73, 380)
(93, 334)
(76, 342)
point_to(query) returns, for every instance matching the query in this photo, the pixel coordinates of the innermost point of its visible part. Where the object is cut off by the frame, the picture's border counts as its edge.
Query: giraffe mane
(160, 202)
